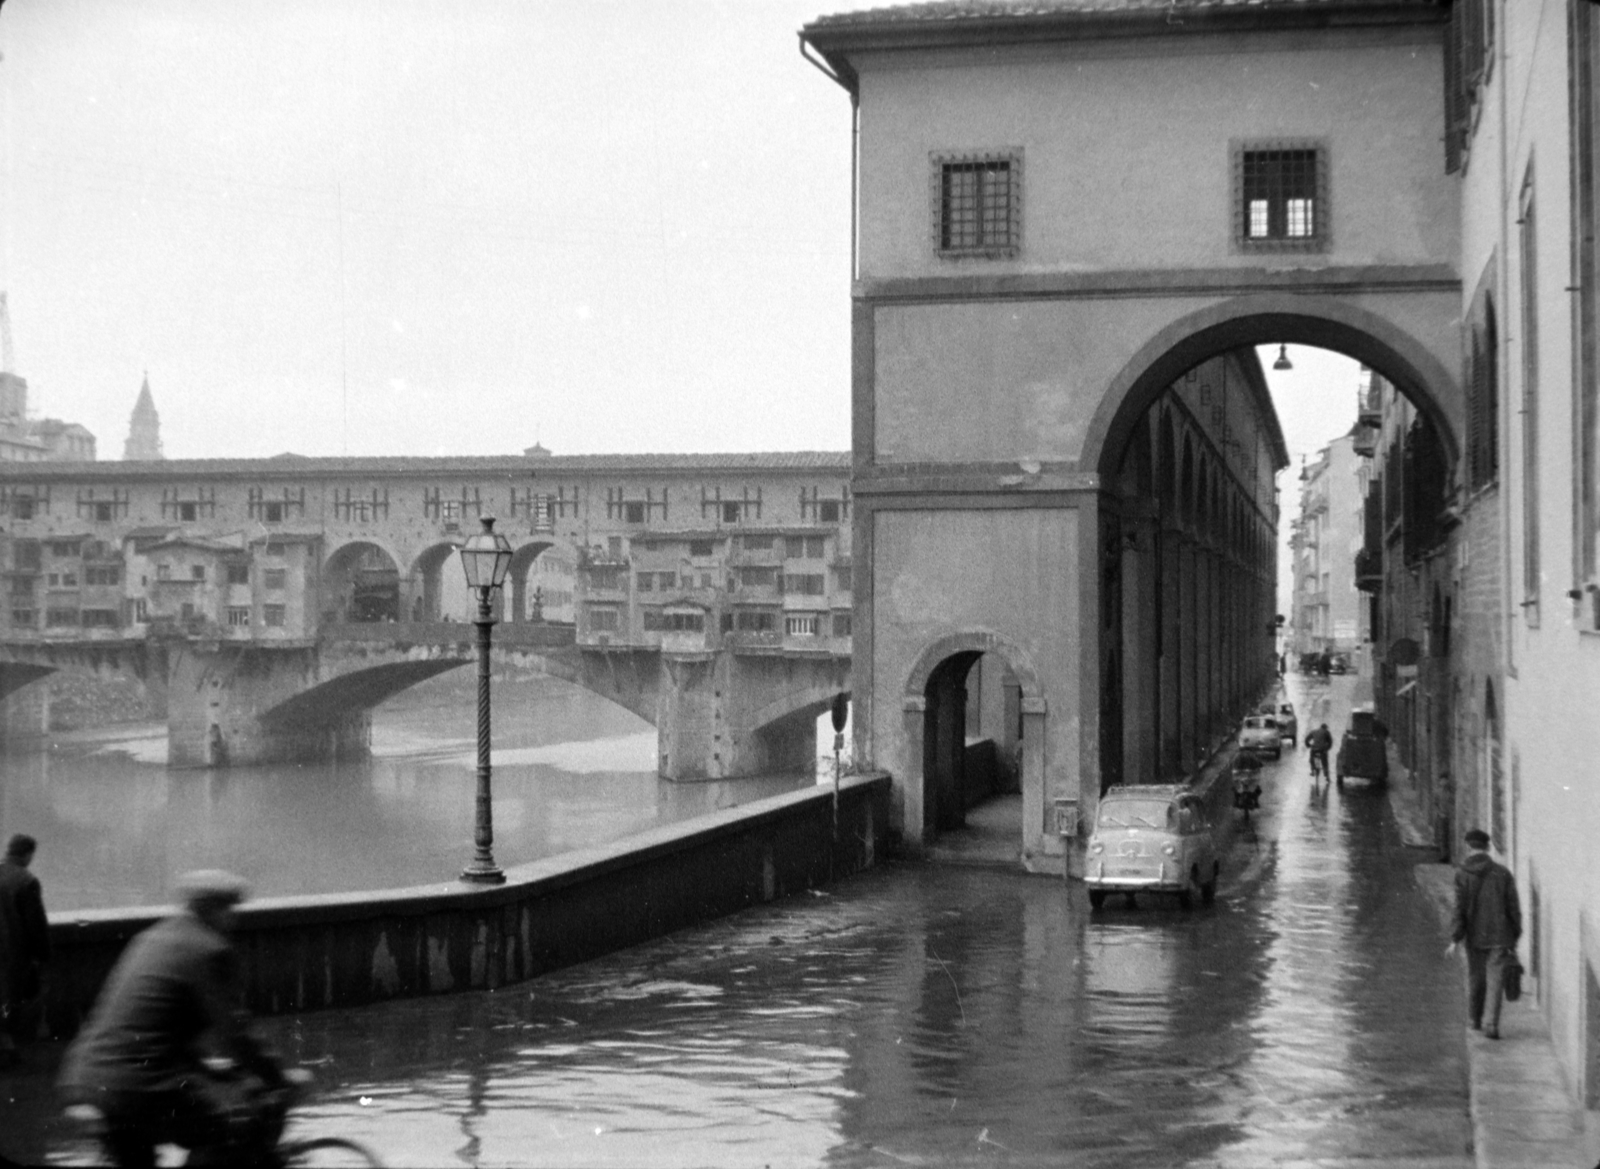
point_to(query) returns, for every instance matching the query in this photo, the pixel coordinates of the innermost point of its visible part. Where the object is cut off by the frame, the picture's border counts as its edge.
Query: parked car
(1338, 664)
(1363, 749)
(1151, 838)
(1260, 734)
(1288, 723)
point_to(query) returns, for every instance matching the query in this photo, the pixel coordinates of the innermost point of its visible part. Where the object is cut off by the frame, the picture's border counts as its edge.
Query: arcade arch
(1188, 583)
(361, 583)
(1272, 319)
(522, 564)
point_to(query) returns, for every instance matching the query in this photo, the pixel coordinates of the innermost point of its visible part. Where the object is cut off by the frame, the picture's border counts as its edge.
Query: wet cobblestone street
(939, 1015)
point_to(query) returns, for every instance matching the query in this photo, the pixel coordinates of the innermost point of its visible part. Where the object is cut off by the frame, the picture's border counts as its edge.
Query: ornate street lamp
(485, 557)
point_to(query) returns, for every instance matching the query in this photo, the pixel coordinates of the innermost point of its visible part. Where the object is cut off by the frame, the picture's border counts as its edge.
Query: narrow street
(930, 1014)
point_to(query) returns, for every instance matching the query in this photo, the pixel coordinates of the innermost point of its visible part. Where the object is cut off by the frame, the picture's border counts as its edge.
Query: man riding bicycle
(162, 1051)
(1320, 741)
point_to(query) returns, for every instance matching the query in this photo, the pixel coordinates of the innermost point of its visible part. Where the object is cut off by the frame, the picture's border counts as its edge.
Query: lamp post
(485, 558)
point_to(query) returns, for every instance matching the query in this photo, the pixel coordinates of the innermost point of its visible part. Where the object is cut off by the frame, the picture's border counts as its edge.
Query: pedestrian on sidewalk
(24, 946)
(1488, 919)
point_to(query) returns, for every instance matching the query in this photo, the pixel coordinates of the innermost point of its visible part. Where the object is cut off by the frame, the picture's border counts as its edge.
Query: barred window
(1281, 196)
(977, 204)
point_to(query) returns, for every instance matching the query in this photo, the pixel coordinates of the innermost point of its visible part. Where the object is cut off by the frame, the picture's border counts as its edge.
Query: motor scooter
(1246, 782)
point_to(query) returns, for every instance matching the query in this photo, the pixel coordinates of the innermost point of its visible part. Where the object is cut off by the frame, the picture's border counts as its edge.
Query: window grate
(1280, 194)
(977, 203)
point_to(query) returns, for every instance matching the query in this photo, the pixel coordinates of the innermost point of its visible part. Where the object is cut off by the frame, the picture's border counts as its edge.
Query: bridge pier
(725, 714)
(218, 693)
(25, 714)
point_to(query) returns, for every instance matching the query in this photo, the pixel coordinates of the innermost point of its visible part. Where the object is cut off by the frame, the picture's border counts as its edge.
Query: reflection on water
(570, 770)
(919, 1015)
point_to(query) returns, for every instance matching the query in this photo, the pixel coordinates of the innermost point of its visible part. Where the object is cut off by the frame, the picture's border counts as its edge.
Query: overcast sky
(394, 227)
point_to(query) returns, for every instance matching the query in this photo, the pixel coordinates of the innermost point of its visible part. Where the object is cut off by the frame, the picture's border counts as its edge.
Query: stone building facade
(1062, 210)
(1326, 614)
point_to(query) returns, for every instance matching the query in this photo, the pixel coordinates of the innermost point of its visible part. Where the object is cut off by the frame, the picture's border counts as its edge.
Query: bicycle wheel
(327, 1151)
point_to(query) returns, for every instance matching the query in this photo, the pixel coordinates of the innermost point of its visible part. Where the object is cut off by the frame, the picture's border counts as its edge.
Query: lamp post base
(483, 876)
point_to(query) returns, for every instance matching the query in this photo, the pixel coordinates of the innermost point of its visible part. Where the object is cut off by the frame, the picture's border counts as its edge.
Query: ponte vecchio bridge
(269, 604)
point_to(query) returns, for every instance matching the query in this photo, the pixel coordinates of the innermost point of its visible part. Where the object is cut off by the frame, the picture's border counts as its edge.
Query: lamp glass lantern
(486, 557)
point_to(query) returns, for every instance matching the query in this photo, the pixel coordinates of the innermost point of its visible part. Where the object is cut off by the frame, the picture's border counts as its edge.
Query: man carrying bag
(1488, 918)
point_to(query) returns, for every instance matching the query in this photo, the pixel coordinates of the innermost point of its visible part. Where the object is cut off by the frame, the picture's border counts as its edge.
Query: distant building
(144, 428)
(40, 440)
(1326, 613)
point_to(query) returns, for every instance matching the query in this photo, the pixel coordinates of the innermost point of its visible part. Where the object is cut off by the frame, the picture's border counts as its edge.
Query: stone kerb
(347, 949)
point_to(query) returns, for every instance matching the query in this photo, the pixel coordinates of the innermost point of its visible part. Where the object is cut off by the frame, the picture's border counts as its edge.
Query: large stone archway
(1329, 322)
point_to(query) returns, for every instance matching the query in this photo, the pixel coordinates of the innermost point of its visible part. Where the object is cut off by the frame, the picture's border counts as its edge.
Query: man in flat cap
(172, 1000)
(1488, 919)
(24, 946)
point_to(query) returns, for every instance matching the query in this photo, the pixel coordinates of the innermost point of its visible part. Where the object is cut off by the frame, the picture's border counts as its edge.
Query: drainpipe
(855, 137)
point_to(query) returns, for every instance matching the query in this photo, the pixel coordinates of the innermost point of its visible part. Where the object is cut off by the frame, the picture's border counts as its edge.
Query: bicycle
(271, 1106)
(1319, 765)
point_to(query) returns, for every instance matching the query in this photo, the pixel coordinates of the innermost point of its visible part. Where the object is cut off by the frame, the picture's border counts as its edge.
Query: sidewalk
(1524, 1115)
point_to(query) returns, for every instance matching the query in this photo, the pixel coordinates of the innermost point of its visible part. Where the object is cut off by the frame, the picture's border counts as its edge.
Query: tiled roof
(931, 11)
(511, 466)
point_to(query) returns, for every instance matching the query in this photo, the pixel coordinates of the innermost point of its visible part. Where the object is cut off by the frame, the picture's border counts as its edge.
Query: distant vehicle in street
(1152, 838)
(1288, 723)
(1260, 734)
(1338, 664)
(1363, 750)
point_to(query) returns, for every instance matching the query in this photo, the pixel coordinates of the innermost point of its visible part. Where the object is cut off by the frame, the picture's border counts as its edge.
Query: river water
(115, 824)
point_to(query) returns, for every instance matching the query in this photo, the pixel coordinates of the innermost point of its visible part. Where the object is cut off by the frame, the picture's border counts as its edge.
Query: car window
(1136, 814)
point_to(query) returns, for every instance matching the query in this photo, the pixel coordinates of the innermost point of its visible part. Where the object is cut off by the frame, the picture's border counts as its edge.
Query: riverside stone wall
(344, 950)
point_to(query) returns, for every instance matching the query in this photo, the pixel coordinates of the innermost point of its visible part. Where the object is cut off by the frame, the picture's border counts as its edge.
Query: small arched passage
(522, 562)
(963, 691)
(1247, 321)
(361, 583)
(428, 584)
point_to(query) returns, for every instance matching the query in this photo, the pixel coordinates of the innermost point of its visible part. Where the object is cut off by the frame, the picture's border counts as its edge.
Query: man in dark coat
(172, 1000)
(1488, 919)
(1320, 741)
(24, 945)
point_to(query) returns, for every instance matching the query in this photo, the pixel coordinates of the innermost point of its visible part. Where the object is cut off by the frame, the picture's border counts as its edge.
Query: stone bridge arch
(139, 664)
(1414, 359)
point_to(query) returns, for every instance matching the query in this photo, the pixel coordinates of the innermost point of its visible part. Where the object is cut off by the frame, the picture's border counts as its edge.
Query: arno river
(115, 824)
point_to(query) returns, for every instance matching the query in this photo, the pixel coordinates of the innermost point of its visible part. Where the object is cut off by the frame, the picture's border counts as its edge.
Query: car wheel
(1208, 891)
(1097, 898)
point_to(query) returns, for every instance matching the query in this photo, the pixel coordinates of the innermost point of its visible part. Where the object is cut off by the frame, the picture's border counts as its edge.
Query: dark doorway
(971, 737)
